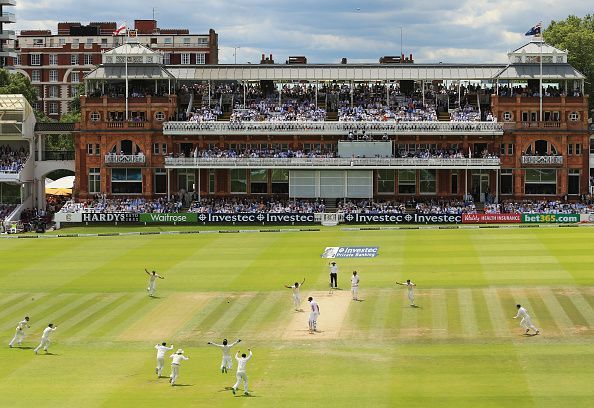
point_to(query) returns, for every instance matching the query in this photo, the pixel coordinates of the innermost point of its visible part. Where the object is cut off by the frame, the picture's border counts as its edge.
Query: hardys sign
(256, 218)
(168, 217)
(357, 218)
(109, 217)
(550, 218)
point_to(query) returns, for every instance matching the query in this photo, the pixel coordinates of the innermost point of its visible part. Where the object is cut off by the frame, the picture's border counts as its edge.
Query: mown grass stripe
(467, 313)
(191, 330)
(409, 322)
(453, 312)
(252, 326)
(72, 309)
(86, 316)
(20, 303)
(484, 326)
(117, 322)
(231, 327)
(377, 325)
(583, 308)
(537, 311)
(39, 312)
(496, 313)
(439, 314)
(6, 299)
(114, 311)
(220, 321)
(556, 310)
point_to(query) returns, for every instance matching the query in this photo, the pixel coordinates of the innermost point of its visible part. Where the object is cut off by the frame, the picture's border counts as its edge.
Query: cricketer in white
(45, 340)
(161, 350)
(227, 362)
(241, 374)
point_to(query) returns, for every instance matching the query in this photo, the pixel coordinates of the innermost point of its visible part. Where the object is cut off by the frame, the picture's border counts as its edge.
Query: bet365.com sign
(550, 218)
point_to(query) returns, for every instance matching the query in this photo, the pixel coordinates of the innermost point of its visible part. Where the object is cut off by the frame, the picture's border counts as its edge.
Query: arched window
(126, 147)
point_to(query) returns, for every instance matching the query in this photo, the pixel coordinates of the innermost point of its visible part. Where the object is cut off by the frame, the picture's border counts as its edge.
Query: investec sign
(109, 217)
(168, 218)
(402, 218)
(550, 218)
(258, 218)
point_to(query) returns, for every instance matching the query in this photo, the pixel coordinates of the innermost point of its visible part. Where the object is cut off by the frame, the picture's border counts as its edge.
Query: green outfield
(460, 348)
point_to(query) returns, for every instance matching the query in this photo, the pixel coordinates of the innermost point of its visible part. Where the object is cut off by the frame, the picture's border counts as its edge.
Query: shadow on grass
(182, 385)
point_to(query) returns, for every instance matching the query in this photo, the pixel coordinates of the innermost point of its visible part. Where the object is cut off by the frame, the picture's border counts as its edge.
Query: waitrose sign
(550, 218)
(168, 217)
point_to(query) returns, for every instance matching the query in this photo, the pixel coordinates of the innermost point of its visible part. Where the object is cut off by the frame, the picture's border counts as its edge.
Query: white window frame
(53, 59)
(200, 58)
(36, 59)
(74, 59)
(75, 77)
(185, 58)
(88, 59)
(53, 91)
(53, 75)
(166, 58)
(36, 75)
(574, 116)
(95, 116)
(53, 108)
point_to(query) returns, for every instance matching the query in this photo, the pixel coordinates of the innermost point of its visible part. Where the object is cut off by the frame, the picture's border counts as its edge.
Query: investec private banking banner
(256, 218)
(491, 218)
(550, 218)
(109, 217)
(357, 218)
(168, 217)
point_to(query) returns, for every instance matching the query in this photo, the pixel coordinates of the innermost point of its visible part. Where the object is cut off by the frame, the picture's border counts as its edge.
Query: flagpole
(126, 70)
(540, 78)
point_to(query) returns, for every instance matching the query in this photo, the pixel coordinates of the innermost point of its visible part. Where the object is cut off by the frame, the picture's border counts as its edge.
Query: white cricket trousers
(151, 288)
(411, 297)
(160, 364)
(45, 343)
(296, 301)
(174, 373)
(227, 362)
(526, 323)
(355, 292)
(241, 377)
(313, 321)
(18, 337)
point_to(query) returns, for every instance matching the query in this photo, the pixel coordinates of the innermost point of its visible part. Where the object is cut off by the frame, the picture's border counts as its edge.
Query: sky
(473, 31)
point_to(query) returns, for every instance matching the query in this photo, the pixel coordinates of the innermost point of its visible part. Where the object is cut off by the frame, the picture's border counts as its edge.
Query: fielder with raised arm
(152, 282)
(176, 360)
(45, 338)
(296, 294)
(161, 350)
(20, 332)
(226, 363)
(241, 371)
(410, 287)
(526, 321)
(313, 315)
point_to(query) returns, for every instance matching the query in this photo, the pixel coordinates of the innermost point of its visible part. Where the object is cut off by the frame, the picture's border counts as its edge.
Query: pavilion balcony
(333, 128)
(330, 163)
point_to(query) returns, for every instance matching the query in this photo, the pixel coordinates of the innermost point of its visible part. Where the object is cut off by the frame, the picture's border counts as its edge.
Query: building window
(574, 116)
(280, 181)
(53, 108)
(54, 91)
(94, 180)
(53, 59)
(95, 116)
(200, 58)
(160, 181)
(155, 148)
(573, 182)
(160, 116)
(126, 181)
(97, 149)
(186, 40)
(525, 116)
(104, 43)
(61, 42)
(167, 58)
(578, 149)
(202, 40)
(507, 181)
(570, 149)
(427, 181)
(75, 43)
(168, 41)
(74, 91)
(89, 149)
(259, 181)
(89, 42)
(74, 59)
(386, 181)
(211, 181)
(454, 182)
(17, 60)
(35, 76)
(164, 148)
(185, 59)
(510, 149)
(75, 77)
(53, 75)
(507, 116)
(238, 181)
(540, 182)
(35, 59)
(88, 59)
(502, 149)
(407, 180)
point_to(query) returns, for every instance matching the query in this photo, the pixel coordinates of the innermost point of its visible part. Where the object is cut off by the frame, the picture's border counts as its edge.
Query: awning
(532, 71)
(118, 72)
(62, 186)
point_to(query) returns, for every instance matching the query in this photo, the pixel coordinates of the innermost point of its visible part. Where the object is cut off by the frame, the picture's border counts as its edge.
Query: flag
(120, 30)
(534, 30)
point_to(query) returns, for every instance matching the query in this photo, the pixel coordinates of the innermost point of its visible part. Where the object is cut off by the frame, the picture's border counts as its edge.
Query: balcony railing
(341, 163)
(332, 128)
(125, 159)
(556, 160)
(57, 155)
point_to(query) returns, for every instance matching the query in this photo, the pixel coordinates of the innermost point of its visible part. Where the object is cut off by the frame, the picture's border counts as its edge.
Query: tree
(17, 83)
(576, 35)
